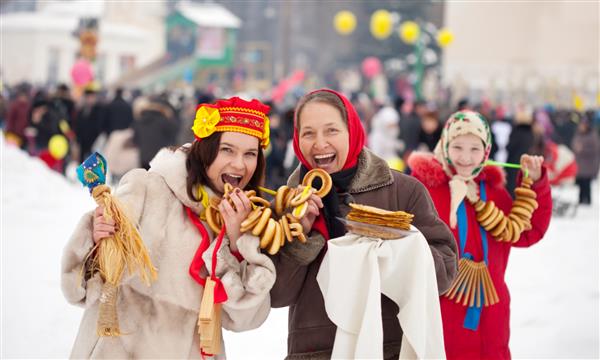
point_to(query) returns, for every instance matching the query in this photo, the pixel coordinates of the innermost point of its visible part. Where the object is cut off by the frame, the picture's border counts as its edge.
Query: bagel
(479, 205)
(214, 202)
(300, 211)
(301, 237)
(227, 188)
(326, 181)
(527, 182)
(302, 197)
(507, 234)
(282, 234)
(298, 232)
(262, 223)
(295, 229)
(276, 243)
(518, 223)
(291, 193)
(532, 202)
(285, 226)
(515, 236)
(291, 219)
(486, 211)
(524, 192)
(280, 198)
(499, 216)
(521, 211)
(212, 216)
(485, 222)
(499, 229)
(521, 202)
(260, 201)
(251, 220)
(268, 235)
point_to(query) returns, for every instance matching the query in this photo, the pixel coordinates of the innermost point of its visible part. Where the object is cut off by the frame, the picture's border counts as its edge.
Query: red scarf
(356, 138)
(198, 262)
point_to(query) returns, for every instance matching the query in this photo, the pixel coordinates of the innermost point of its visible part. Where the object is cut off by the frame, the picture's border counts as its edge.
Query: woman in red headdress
(168, 202)
(328, 134)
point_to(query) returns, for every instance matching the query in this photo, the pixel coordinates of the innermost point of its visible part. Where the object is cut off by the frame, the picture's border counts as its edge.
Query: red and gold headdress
(234, 114)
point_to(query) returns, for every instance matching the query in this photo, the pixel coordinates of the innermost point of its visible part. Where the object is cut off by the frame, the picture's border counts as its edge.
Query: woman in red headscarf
(328, 134)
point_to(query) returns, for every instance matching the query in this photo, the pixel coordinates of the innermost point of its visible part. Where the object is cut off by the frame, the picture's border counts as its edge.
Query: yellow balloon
(445, 37)
(58, 146)
(396, 164)
(381, 24)
(344, 22)
(409, 32)
(578, 103)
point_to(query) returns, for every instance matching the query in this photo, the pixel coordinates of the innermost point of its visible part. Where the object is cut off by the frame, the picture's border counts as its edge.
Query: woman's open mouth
(232, 179)
(324, 160)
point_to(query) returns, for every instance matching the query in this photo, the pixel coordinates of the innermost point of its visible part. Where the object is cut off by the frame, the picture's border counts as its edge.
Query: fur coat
(160, 321)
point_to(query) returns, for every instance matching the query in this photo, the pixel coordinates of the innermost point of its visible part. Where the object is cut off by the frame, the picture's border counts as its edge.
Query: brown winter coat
(160, 321)
(311, 333)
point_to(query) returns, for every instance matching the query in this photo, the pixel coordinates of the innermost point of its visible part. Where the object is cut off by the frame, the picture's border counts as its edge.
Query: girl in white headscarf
(456, 176)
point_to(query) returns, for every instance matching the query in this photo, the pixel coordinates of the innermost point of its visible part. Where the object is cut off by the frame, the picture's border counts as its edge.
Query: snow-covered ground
(554, 284)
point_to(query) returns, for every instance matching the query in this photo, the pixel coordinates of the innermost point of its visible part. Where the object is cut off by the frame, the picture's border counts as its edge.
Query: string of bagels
(274, 224)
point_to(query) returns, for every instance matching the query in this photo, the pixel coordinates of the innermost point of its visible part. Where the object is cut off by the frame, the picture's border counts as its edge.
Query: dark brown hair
(324, 97)
(200, 157)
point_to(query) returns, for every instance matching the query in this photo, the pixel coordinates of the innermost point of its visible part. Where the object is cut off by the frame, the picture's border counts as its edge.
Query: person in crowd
(410, 126)
(119, 114)
(276, 155)
(457, 172)
(328, 135)
(168, 202)
(384, 137)
(64, 104)
(501, 130)
(155, 127)
(565, 125)
(45, 123)
(430, 131)
(89, 123)
(17, 117)
(586, 146)
(520, 141)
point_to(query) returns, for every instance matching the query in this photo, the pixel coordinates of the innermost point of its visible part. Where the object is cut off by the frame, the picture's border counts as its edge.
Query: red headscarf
(356, 133)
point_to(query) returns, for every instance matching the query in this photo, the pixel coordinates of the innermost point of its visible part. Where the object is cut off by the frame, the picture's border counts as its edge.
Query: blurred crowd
(129, 127)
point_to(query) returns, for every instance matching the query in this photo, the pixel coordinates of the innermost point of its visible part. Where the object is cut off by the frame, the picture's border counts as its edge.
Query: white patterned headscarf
(462, 123)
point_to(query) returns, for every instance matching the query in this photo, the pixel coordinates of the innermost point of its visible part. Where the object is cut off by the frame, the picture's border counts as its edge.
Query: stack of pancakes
(374, 216)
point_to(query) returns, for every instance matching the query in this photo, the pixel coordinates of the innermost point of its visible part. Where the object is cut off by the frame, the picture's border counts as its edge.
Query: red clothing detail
(238, 256)
(198, 262)
(321, 226)
(490, 340)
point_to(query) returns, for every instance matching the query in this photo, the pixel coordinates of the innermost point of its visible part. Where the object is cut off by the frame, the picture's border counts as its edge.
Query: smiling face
(466, 153)
(323, 136)
(236, 161)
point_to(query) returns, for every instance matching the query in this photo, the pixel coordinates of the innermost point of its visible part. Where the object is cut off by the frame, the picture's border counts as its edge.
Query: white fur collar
(170, 165)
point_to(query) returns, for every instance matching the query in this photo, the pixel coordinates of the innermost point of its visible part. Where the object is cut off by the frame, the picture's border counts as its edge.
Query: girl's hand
(533, 164)
(101, 227)
(233, 217)
(314, 204)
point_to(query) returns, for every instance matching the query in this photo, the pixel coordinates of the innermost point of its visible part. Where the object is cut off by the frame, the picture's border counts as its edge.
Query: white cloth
(356, 270)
